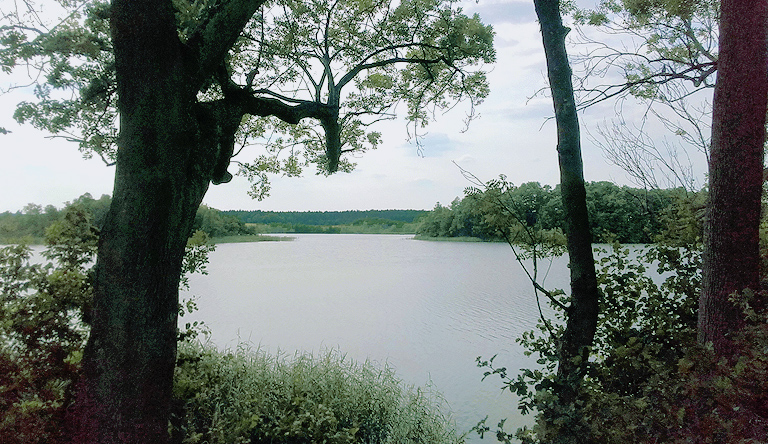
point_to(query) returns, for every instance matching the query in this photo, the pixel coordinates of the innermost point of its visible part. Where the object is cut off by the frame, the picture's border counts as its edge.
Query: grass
(247, 395)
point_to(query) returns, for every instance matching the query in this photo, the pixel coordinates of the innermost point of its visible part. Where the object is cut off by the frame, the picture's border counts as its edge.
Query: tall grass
(248, 396)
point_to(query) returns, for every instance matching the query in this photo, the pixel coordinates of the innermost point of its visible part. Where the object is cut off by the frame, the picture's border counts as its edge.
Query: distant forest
(29, 224)
(621, 213)
(327, 218)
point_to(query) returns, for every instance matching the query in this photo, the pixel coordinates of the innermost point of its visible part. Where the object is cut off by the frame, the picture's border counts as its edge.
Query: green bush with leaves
(648, 380)
(248, 395)
(43, 314)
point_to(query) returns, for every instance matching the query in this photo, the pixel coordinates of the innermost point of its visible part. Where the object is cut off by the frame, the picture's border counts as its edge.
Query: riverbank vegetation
(616, 213)
(30, 224)
(304, 398)
(219, 396)
(332, 222)
(648, 379)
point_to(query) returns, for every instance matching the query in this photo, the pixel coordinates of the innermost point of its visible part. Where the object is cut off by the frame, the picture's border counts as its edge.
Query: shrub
(42, 333)
(648, 380)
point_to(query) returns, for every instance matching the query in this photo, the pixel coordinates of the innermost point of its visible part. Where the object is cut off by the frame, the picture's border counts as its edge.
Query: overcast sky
(513, 136)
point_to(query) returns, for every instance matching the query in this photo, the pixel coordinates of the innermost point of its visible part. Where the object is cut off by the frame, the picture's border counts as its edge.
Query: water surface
(428, 309)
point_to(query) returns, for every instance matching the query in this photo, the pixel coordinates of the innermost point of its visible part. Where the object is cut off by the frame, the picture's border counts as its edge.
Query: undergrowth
(247, 395)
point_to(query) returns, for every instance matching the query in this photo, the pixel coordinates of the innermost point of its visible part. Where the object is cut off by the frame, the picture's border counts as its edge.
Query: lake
(427, 309)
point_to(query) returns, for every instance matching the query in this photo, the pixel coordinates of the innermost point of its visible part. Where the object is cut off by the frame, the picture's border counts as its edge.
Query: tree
(667, 56)
(345, 55)
(731, 239)
(582, 312)
(345, 64)
(178, 76)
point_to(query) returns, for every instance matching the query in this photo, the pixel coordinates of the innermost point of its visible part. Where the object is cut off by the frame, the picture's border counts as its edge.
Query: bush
(249, 396)
(648, 380)
(42, 329)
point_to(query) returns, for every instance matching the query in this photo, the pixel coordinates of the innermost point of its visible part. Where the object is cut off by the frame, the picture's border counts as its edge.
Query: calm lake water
(428, 309)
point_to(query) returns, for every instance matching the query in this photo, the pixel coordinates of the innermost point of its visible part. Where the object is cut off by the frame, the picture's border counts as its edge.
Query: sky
(514, 135)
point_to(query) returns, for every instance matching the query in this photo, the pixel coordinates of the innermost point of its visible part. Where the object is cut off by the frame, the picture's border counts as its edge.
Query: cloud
(498, 12)
(465, 159)
(436, 145)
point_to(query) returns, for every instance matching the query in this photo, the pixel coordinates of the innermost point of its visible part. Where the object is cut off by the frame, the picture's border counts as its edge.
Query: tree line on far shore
(29, 224)
(620, 213)
(616, 213)
(326, 217)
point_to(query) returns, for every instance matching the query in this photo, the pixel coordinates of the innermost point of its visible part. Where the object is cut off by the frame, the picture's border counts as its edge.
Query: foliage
(33, 222)
(241, 395)
(347, 64)
(683, 221)
(217, 224)
(72, 241)
(27, 225)
(323, 48)
(326, 217)
(665, 53)
(616, 213)
(676, 42)
(44, 310)
(30, 224)
(648, 379)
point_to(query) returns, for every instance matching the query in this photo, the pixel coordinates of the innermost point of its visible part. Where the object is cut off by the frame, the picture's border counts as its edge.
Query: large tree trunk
(731, 253)
(125, 393)
(583, 309)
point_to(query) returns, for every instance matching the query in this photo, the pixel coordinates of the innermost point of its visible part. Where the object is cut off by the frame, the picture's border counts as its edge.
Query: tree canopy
(664, 54)
(345, 64)
(621, 214)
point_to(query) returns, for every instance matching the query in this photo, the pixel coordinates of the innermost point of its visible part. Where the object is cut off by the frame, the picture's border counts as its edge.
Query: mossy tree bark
(731, 241)
(583, 308)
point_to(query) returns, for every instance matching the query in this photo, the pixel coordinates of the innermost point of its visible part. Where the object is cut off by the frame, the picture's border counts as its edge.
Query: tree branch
(704, 70)
(356, 70)
(217, 33)
(264, 107)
